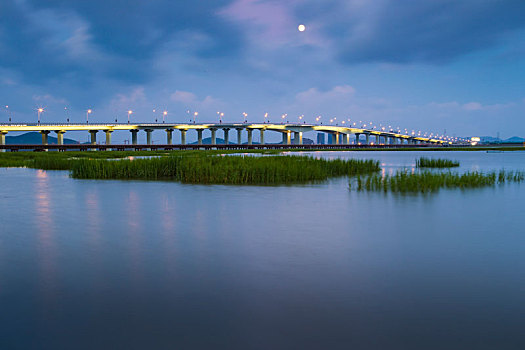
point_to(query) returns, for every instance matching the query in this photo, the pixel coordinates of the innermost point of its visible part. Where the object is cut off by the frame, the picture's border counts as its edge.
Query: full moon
(301, 27)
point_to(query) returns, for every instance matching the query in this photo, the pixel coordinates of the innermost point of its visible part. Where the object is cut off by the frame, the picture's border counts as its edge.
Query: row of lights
(284, 116)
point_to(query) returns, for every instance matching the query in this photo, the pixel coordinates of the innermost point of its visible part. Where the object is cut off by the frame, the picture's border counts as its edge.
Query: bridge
(337, 135)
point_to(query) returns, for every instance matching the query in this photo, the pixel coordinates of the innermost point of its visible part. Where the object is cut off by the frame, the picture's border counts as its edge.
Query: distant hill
(34, 138)
(515, 139)
(490, 139)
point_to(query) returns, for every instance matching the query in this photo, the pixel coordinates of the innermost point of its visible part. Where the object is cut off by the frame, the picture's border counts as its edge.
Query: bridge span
(337, 135)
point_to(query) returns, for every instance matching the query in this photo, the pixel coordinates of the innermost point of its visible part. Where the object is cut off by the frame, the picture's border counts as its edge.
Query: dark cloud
(113, 38)
(432, 31)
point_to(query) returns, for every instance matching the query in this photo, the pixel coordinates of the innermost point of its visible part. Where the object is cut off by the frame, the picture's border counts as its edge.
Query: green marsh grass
(436, 163)
(236, 170)
(428, 181)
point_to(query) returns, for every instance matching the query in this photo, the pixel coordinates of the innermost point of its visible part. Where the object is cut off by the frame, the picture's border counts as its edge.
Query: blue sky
(422, 65)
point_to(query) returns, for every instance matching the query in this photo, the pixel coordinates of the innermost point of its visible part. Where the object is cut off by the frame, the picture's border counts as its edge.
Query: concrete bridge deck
(338, 135)
(159, 147)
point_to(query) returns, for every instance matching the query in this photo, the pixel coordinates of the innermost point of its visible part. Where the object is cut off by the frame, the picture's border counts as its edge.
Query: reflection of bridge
(337, 135)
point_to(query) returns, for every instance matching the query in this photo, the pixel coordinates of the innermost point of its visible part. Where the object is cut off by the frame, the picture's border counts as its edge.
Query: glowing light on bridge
(39, 112)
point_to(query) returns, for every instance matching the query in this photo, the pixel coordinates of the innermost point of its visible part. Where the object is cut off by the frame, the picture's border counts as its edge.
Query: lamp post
(7, 112)
(39, 111)
(88, 112)
(130, 112)
(195, 114)
(245, 116)
(265, 117)
(164, 114)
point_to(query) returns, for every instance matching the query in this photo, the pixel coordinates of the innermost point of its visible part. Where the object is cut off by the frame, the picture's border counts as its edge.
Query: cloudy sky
(424, 65)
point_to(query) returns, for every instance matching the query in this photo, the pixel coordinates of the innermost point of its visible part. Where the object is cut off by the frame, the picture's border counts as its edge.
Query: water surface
(136, 264)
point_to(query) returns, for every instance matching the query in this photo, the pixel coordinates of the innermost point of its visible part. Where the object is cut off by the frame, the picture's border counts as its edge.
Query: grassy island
(427, 181)
(436, 163)
(197, 167)
(236, 170)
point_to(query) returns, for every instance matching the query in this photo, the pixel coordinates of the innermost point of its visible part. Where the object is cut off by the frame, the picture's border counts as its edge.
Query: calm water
(158, 265)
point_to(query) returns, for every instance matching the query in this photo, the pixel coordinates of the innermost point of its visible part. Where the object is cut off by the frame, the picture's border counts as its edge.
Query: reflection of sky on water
(156, 262)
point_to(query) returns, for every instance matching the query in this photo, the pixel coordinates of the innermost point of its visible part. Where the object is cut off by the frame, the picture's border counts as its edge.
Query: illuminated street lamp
(88, 112)
(130, 112)
(265, 116)
(195, 116)
(164, 114)
(7, 113)
(39, 111)
(245, 115)
(220, 114)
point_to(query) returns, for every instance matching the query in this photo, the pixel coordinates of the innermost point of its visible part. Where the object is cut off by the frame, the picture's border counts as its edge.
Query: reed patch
(428, 181)
(436, 163)
(236, 170)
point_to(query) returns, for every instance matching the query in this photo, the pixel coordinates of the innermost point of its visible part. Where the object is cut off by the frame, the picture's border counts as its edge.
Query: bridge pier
(199, 136)
(367, 139)
(93, 134)
(108, 137)
(346, 139)
(60, 137)
(148, 136)
(250, 134)
(169, 136)
(337, 138)
(298, 138)
(226, 138)
(287, 137)
(262, 136)
(213, 136)
(134, 134)
(93, 139)
(183, 136)
(239, 136)
(357, 138)
(45, 134)
(2, 139)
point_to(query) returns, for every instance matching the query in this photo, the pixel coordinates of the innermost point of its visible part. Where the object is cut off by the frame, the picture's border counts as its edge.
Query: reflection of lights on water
(41, 174)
